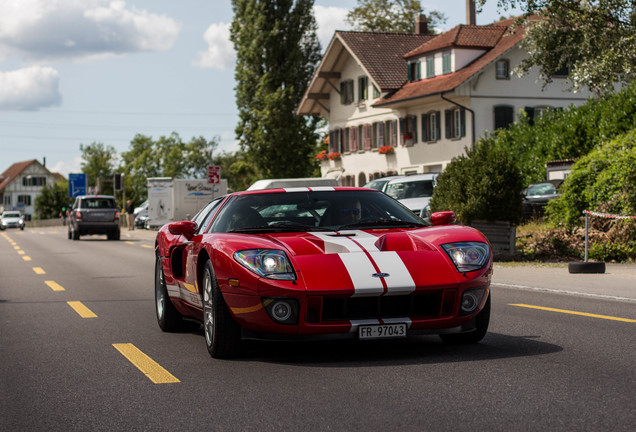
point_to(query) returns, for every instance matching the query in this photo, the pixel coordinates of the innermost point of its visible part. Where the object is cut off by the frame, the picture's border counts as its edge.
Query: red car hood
(373, 262)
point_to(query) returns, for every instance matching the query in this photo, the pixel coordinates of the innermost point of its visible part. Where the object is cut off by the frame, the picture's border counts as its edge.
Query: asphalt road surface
(80, 350)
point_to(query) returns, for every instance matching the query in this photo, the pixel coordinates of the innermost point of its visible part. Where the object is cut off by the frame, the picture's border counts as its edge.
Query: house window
(504, 116)
(346, 92)
(33, 181)
(411, 71)
(446, 62)
(430, 67)
(503, 69)
(376, 92)
(390, 132)
(431, 126)
(378, 135)
(367, 136)
(7, 200)
(455, 120)
(24, 200)
(563, 72)
(363, 88)
(360, 137)
(408, 126)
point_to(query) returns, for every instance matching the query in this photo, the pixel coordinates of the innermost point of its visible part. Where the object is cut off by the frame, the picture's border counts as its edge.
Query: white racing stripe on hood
(335, 243)
(399, 280)
(360, 271)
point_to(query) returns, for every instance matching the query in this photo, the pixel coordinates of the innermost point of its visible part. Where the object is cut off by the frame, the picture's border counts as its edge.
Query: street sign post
(76, 185)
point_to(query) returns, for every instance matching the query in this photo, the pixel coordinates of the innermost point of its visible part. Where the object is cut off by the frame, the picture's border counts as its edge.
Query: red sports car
(321, 262)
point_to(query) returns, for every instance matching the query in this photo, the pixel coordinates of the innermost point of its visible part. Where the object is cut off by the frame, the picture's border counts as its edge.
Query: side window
(363, 88)
(503, 116)
(205, 215)
(346, 92)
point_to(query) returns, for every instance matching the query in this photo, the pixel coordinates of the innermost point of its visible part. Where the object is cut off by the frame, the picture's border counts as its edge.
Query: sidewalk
(619, 280)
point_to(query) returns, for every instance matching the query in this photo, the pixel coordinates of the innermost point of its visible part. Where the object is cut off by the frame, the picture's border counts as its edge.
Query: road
(77, 316)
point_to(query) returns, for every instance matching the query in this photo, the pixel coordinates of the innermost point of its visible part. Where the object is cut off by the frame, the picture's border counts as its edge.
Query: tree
(277, 53)
(391, 16)
(51, 200)
(167, 157)
(98, 163)
(592, 41)
(238, 171)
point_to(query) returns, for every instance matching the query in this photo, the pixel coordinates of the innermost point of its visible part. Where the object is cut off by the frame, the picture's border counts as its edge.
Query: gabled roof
(379, 54)
(15, 170)
(445, 83)
(462, 36)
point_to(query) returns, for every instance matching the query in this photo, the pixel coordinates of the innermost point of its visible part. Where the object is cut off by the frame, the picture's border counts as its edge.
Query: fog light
(282, 310)
(471, 300)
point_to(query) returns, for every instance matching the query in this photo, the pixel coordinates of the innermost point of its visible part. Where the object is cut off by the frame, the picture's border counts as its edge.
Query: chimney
(44, 161)
(470, 12)
(421, 25)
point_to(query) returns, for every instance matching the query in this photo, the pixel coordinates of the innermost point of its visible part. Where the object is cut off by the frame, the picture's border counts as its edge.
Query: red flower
(386, 149)
(334, 156)
(322, 155)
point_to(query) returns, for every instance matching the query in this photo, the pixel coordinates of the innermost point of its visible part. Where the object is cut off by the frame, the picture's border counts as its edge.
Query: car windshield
(312, 211)
(11, 215)
(98, 203)
(541, 189)
(410, 189)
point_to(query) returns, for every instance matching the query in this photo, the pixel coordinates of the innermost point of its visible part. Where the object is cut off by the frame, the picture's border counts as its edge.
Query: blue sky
(80, 71)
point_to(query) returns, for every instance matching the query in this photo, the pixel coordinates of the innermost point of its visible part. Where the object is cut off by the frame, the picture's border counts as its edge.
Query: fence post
(587, 218)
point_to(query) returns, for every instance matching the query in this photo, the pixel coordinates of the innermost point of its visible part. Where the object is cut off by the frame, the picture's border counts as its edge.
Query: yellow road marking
(148, 366)
(146, 246)
(54, 286)
(39, 270)
(16, 247)
(575, 313)
(20, 252)
(26, 258)
(82, 310)
(129, 242)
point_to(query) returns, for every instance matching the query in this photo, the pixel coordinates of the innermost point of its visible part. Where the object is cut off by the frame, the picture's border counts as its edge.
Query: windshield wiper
(384, 223)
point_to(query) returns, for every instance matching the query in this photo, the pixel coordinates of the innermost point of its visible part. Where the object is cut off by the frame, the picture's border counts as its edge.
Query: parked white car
(414, 191)
(380, 183)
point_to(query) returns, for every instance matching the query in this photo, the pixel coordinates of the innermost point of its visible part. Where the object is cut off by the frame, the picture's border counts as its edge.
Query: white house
(21, 183)
(404, 104)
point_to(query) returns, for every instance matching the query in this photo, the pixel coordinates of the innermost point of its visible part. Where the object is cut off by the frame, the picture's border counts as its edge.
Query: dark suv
(94, 214)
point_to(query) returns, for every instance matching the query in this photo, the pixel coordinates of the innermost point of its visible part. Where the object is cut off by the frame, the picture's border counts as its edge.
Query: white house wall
(16, 188)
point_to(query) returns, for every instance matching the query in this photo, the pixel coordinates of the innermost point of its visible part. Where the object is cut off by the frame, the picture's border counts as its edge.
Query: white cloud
(72, 29)
(220, 53)
(29, 88)
(70, 166)
(330, 19)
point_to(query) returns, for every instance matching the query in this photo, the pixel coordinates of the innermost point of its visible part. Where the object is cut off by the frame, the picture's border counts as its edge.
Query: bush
(485, 184)
(604, 180)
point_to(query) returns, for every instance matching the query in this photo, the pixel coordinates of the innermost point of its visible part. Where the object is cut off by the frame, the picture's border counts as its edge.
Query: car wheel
(168, 318)
(75, 234)
(482, 320)
(70, 236)
(222, 333)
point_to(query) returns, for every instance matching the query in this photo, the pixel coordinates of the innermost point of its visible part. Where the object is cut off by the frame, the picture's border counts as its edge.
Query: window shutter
(462, 115)
(530, 113)
(343, 92)
(331, 141)
(367, 137)
(380, 134)
(394, 132)
(503, 116)
(438, 125)
(353, 138)
(402, 129)
(447, 123)
(419, 70)
(414, 128)
(425, 136)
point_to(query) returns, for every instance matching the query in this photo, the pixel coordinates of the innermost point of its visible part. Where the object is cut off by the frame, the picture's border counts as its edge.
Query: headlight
(269, 263)
(468, 256)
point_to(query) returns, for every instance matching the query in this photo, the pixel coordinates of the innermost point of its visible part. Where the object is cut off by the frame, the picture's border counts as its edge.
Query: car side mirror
(443, 218)
(184, 228)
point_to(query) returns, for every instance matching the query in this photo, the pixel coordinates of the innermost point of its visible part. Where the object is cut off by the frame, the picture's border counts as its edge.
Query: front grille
(353, 308)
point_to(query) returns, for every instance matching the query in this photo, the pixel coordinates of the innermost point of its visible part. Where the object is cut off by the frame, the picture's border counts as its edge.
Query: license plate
(381, 331)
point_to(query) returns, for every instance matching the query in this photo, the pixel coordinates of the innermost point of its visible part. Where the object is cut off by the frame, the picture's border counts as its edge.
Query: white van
(293, 182)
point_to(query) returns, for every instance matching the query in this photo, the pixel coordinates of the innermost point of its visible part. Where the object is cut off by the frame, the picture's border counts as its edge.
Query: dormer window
(363, 88)
(413, 71)
(503, 69)
(446, 63)
(346, 92)
(430, 67)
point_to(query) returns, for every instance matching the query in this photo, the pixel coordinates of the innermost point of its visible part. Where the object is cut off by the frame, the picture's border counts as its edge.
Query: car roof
(305, 189)
(414, 177)
(96, 196)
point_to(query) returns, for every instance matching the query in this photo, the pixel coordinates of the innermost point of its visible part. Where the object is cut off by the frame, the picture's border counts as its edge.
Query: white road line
(560, 291)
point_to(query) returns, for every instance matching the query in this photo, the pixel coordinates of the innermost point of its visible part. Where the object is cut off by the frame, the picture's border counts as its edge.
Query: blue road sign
(76, 185)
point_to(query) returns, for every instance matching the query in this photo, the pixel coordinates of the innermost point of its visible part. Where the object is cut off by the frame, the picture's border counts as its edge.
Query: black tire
(115, 235)
(482, 320)
(75, 235)
(222, 333)
(586, 267)
(168, 318)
